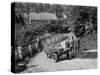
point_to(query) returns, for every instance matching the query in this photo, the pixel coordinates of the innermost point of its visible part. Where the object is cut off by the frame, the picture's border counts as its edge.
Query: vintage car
(68, 46)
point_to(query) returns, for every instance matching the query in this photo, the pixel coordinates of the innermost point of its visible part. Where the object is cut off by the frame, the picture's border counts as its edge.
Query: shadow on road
(82, 55)
(87, 55)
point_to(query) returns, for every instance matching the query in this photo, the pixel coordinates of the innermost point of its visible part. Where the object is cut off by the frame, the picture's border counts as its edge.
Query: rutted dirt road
(41, 63)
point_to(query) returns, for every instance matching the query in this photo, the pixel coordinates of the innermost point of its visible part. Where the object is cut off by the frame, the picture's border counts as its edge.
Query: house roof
(42, 16)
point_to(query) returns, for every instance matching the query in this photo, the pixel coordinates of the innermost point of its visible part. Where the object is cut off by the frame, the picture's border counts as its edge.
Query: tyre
(54, 56)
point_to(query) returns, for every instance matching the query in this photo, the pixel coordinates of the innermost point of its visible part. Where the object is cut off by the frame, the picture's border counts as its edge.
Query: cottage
(43, 17)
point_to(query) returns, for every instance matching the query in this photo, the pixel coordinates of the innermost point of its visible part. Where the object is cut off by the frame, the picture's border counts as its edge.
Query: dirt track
(41, 63)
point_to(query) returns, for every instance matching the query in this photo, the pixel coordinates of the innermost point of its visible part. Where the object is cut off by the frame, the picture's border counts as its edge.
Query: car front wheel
(54, 56)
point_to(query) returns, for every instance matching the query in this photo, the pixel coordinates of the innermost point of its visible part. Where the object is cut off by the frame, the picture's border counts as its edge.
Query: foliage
(78, 17)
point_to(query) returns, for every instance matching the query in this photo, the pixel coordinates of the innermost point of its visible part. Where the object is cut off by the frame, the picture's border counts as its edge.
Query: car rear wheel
(54, 57)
